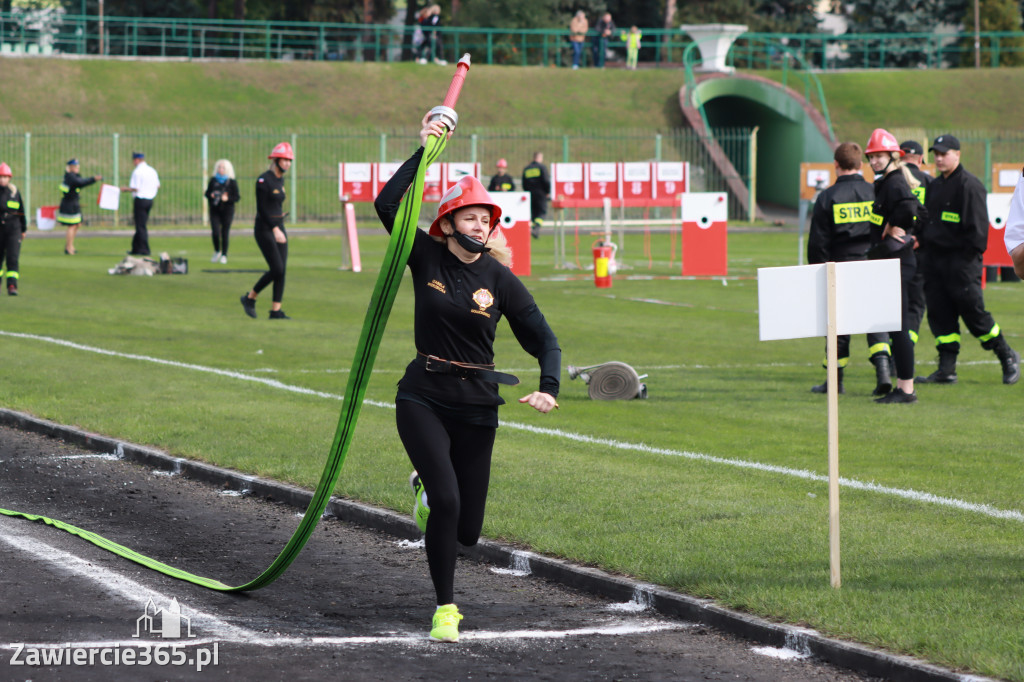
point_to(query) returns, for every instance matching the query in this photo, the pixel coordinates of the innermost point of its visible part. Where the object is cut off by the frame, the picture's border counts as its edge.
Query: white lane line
(214, 628)
(903, 493)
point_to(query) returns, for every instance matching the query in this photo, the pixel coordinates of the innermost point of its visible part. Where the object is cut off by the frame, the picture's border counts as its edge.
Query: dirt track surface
(355, 605)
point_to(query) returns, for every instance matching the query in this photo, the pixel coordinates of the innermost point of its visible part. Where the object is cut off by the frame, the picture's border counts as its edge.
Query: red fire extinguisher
(604, 254)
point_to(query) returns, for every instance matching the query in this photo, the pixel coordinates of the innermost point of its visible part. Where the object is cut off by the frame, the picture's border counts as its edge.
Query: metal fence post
(383, 147)
(988, 164)
(752, 183)
(295, 216)
(472, 147)
(28, 178)
(205, 210)
(657, 147)
(117, 173)
(565, 148)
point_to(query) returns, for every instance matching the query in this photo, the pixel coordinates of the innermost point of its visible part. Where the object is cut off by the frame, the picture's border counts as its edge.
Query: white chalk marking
(89, 456)
(411, 544)
(907, 494)
(214, 628)
(781, 654)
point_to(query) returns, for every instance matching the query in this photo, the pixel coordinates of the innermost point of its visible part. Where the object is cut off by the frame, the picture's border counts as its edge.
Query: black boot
(823, 388)
(883, 376)
(946, 373)
(1009, 359)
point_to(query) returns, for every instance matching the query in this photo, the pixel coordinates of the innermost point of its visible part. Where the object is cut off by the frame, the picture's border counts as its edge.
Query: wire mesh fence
(185, 161)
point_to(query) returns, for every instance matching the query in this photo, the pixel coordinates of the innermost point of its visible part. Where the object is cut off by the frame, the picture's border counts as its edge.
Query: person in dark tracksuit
(537, 182)
(894, 222)
(12, 228)
(841, 232)
(912, 155)
(221, 196)
(954, 240)
(69, 213)
(269, 231)
(447, 400)
(501, 181)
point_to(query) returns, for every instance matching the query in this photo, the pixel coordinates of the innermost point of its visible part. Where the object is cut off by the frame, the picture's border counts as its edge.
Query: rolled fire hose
(611, 381)
(384, 292)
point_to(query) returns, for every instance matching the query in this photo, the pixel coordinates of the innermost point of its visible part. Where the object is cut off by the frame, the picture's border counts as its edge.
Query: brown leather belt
(463, 370)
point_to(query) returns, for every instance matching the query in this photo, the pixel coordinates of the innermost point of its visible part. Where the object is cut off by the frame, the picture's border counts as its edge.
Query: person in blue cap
(69, 213)
(144, 184)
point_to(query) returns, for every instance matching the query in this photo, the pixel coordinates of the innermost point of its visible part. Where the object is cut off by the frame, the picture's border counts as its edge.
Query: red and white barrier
(515, 226)
(998, 213)
(705, 234)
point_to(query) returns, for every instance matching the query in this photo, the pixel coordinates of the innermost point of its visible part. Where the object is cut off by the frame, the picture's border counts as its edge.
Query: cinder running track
(354, 606)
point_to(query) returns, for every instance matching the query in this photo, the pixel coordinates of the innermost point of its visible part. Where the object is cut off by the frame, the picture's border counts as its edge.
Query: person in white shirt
(144, 184)
(1013, 236)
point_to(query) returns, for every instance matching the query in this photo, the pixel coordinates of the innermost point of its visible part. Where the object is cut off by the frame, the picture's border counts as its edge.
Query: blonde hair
(228, 168)
(907, 175)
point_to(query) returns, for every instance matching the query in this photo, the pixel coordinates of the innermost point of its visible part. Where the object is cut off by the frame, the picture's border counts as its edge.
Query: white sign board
(793, 301)
(1008, 178)
(110, 197)
(999, 209)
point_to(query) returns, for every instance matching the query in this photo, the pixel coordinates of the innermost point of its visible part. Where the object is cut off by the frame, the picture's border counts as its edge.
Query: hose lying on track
(611, 381)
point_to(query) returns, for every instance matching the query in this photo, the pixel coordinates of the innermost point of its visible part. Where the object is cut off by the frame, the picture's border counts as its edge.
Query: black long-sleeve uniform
(896, 205)
(502, 182)
(915, 294)
(447, 424)
(841, 232)
(954, 240)
(70, 210)
(270, 198)
(222, 212)
(12, 227)
(537, 182)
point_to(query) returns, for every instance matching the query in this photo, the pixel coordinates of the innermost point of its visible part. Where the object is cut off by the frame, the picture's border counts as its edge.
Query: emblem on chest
(484, 299)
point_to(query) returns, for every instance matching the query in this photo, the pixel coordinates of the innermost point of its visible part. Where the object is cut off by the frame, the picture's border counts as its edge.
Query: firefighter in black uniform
(537, 182)
(841, 231)
(913, 153)
(954, 240)
(447, 401)
(894, 223)
(501, 181)
(12, 228)
(269, 231)
(69, 213)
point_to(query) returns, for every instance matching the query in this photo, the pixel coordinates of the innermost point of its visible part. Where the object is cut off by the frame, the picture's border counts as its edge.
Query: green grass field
(702, 488)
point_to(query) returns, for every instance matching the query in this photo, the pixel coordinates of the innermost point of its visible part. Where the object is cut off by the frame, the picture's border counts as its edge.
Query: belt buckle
(439, 365)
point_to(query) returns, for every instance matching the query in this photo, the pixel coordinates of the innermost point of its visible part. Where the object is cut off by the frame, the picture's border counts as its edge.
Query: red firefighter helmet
(466, 192)
(502, 163)
(5, 170)
(283, 150)
(882, 140)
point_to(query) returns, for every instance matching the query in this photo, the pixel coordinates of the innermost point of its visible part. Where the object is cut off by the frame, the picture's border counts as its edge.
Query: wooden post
(832, 350)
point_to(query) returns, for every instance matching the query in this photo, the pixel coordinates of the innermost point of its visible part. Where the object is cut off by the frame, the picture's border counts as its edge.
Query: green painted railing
(43, 33)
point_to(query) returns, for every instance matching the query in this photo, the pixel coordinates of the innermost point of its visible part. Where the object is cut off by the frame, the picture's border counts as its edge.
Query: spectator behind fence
(221, 195)
(431, 49)
(578, 28)
(632, 40)
(144, 184)
(69, 213)
(605, 27)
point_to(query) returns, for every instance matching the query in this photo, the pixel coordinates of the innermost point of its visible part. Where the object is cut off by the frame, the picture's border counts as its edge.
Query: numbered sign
(670, 179)
(455, 171)
(705, 240)
(602, 181)
(567, 181)
(636, 180)
(355, 182)
(515, 226)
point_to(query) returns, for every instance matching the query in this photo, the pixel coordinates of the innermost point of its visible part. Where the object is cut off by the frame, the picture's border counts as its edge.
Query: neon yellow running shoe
(421, 510)
(446, 624)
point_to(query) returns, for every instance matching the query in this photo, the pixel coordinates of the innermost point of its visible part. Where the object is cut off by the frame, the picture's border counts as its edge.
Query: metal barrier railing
(47, 32)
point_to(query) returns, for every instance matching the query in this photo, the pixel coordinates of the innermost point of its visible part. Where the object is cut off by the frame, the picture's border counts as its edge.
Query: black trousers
(453, 460)
(10, 249)
(952, 287)
(902, 345)
(915, 293)
(221, 217)
(276, 256)
(140, 210)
